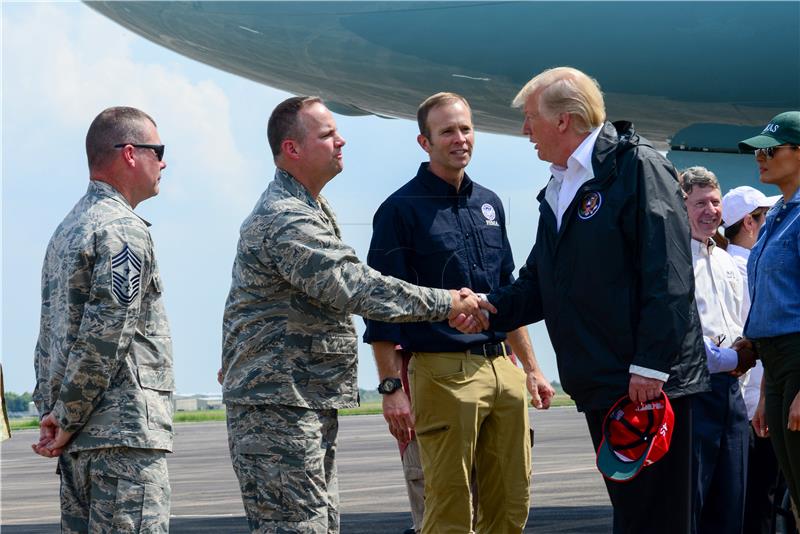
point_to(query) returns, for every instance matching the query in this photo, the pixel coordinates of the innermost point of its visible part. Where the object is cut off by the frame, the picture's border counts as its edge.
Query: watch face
(389, 385)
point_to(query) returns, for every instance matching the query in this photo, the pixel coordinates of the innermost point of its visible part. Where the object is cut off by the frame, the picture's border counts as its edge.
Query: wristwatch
(389, 385)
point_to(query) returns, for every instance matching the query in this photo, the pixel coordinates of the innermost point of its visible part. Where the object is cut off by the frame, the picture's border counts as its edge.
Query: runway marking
(535, 473)
(39, 519)
(372, 488)
(563, 471)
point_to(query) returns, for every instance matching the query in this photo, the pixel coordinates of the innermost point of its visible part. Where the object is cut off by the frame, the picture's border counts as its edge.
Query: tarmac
(567, 492)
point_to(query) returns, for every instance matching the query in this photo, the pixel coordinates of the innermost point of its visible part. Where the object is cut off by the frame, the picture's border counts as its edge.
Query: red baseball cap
(634, 436)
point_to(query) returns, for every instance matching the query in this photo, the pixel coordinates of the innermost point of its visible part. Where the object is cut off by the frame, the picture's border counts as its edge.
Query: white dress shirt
(719, 293)
(751, 381)
(567, 180)
(740, 255)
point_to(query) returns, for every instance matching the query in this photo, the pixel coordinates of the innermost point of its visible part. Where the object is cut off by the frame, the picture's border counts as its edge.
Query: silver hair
(697, 176)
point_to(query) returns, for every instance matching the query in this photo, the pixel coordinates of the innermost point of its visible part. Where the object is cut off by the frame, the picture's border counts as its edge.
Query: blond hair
(567, 90)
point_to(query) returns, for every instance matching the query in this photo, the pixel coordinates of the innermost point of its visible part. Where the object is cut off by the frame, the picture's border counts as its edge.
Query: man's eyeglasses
(769, 152)
(158, 149)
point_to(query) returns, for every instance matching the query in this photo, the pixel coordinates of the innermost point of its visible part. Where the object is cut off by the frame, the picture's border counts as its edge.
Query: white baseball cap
(740, 201)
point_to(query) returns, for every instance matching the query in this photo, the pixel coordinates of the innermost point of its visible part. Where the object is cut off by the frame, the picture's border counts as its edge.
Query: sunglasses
(158, 149)
(769, 152)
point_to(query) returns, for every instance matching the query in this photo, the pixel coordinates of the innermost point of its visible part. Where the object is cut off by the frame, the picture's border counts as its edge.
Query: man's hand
(642, 389)
(794, 414)
(747, 356)
(397, 412)
(759, 421)
(540, 389)
(52, 439)
(469, 313)
(47, 433)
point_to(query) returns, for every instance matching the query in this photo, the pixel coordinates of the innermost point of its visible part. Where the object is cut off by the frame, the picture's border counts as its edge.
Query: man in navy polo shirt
(441, 229)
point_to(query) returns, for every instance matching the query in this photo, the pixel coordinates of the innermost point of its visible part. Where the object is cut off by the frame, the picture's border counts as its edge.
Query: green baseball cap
(782, 129)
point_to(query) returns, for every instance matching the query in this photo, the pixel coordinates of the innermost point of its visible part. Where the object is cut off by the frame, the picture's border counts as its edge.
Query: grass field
(201, 416)
(24, 422)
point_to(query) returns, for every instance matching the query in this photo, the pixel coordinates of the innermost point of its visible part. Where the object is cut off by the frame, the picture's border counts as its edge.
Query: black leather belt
(490, 350)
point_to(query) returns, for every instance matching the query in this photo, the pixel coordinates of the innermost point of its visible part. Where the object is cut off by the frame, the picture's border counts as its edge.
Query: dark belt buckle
(492, 350)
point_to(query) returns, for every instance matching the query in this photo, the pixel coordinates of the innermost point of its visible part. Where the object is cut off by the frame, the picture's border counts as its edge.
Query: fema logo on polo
(489, 214)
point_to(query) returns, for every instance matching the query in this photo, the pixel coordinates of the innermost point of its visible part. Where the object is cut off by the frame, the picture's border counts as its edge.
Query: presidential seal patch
(590, 204)
(126, 271)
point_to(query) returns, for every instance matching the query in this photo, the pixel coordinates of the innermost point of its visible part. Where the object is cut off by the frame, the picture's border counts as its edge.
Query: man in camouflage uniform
(103, 360)
(289, 355)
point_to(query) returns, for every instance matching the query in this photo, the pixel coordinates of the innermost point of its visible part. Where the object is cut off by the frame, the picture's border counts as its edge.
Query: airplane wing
(666, 66)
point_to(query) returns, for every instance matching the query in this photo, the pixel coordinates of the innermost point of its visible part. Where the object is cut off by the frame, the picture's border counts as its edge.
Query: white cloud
(67, 63)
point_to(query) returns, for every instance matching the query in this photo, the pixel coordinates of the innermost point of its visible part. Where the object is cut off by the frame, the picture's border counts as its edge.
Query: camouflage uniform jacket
(104, 355)
(288, 337)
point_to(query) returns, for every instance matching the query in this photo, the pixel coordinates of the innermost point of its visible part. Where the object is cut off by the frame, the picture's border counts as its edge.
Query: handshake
(746, 354)
(469, 312)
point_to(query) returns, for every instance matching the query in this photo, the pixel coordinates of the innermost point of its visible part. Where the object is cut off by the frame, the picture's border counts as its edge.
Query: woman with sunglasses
(774, 282)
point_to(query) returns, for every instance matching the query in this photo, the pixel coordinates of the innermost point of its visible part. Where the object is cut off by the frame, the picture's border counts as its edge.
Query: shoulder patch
(126, 269)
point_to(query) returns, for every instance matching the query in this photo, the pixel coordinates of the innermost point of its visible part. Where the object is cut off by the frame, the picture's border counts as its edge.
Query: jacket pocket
(157, 387)
(778, 255)
(155, 316)
(278, 487)
(333, 358)
(492, 237)
(439, 249)
(335, 344)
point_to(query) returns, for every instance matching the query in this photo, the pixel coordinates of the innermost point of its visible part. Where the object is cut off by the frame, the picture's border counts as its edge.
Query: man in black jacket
(611, 275)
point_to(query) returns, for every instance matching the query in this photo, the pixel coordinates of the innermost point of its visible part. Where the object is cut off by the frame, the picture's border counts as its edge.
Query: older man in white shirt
(720, 425)
(743, 213)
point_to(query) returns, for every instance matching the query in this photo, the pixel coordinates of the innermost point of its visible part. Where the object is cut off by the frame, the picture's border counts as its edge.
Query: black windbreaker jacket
(615, 284)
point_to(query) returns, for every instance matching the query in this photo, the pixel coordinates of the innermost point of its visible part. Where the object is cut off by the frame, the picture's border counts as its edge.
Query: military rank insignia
(126, 269)
(589, 205)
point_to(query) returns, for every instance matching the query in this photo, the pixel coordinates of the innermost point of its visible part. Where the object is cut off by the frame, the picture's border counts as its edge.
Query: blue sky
(63, 63)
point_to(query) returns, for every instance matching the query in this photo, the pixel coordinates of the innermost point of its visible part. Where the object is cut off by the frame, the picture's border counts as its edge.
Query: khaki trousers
(471, 411)
(415, 482)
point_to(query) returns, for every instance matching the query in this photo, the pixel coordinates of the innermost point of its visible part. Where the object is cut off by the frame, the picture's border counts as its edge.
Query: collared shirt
(774, 273)
(718, 292)
(751, 380)
(740, 255)
(288, 336)
(432, 235)
(567, 180)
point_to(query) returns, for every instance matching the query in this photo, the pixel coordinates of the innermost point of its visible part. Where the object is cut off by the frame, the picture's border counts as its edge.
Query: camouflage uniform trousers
(117, 489)
(284, 458)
